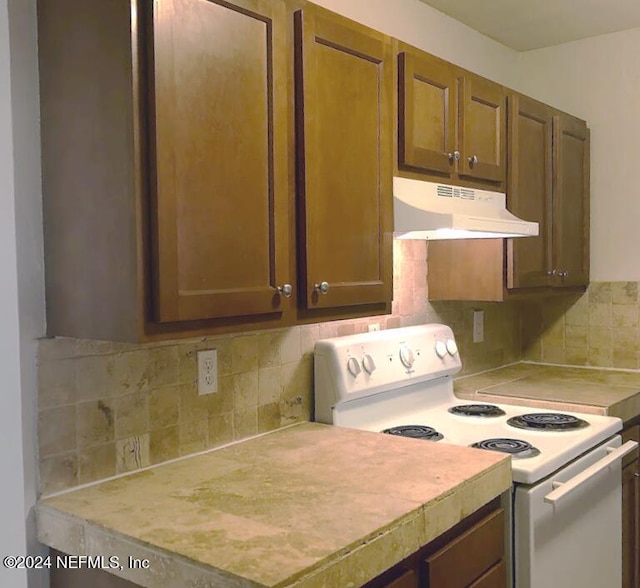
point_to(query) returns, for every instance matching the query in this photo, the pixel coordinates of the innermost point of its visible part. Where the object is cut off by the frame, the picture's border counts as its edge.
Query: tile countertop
(306, 506)
(596, 391)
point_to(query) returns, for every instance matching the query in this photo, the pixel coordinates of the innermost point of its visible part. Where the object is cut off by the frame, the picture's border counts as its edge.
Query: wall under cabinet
(107, 408)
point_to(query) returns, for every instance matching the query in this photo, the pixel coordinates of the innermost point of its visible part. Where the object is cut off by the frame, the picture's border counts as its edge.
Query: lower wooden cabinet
(399, 576)
(467, 557)
(471, 554)
(631, 513)
(496, 577)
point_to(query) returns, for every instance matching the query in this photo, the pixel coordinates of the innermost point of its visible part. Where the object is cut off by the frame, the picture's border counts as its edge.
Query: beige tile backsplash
(597, 328)
(106, 408)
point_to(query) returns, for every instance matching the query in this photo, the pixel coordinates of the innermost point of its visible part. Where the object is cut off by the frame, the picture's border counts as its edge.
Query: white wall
(13, 531)
(431, 30)
(598, 79)
(21, 295)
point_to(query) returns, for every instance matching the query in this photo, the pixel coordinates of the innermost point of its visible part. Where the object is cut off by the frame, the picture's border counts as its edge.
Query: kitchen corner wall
(106, 408)
(599, 328)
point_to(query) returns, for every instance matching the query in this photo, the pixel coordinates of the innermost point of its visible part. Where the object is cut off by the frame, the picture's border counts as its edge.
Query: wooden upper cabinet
(530, 190)
(548, 183)
(451, 123)
(218, 137)
(344, 84)
(571, 201)
(427, 109)
(183, 185)
(483, 129)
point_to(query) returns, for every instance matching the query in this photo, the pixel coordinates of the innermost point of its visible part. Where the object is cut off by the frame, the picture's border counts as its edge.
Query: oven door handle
(562, 489)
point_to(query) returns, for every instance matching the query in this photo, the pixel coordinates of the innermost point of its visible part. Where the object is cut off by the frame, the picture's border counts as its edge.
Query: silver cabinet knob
(286, 290)
(552, 272)
(473, 160)
(454, 156)
(563, 274)
(322, 287)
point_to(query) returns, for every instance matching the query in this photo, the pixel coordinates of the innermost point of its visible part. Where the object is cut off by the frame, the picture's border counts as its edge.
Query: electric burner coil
(477, 410)
(415, 432)
(515, 447)
(547, 421)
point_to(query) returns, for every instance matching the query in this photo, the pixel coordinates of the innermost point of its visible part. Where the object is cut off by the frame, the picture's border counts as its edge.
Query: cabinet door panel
(482, 129)
(397, 577)
(530, 190)
(427, 113)
(344, 85)
(571, 201)
(219, 141)
(470, 555)
(496, 577)
(408, 579)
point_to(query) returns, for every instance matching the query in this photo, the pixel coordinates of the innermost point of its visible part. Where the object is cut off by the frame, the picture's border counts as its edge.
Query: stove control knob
(368, 364)
(441, 349)
(406, 356)
(452, 348)
(353, 366)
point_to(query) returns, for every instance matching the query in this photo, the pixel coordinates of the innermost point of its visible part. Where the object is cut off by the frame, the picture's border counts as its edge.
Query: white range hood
(428, 210)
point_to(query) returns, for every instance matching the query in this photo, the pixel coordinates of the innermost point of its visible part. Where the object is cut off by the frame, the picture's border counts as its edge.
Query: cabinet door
(218, 167)
(408, 579)
(427, 103)
(571, 201)
(470, 555)
(529, 190)
(344, 84)
(496, 577)
(397, 577)
(483, 136)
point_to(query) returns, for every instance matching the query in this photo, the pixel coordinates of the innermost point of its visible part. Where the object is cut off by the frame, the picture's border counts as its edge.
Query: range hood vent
(428, 210)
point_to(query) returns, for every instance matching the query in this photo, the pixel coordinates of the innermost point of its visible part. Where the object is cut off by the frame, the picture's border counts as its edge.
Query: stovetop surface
(428, 406)
(398, 377)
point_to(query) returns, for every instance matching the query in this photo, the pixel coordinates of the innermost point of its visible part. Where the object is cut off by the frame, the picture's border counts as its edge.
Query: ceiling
(532, 24)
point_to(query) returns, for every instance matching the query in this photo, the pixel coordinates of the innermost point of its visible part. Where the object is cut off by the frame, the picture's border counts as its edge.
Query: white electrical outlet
(374, 327)
(207, 371)
(478, 326)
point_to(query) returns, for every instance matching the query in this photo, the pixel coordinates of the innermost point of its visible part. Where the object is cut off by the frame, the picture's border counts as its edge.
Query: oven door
(568, 527)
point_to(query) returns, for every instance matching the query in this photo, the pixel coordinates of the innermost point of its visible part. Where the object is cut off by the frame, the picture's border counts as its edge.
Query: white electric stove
(399, 381)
